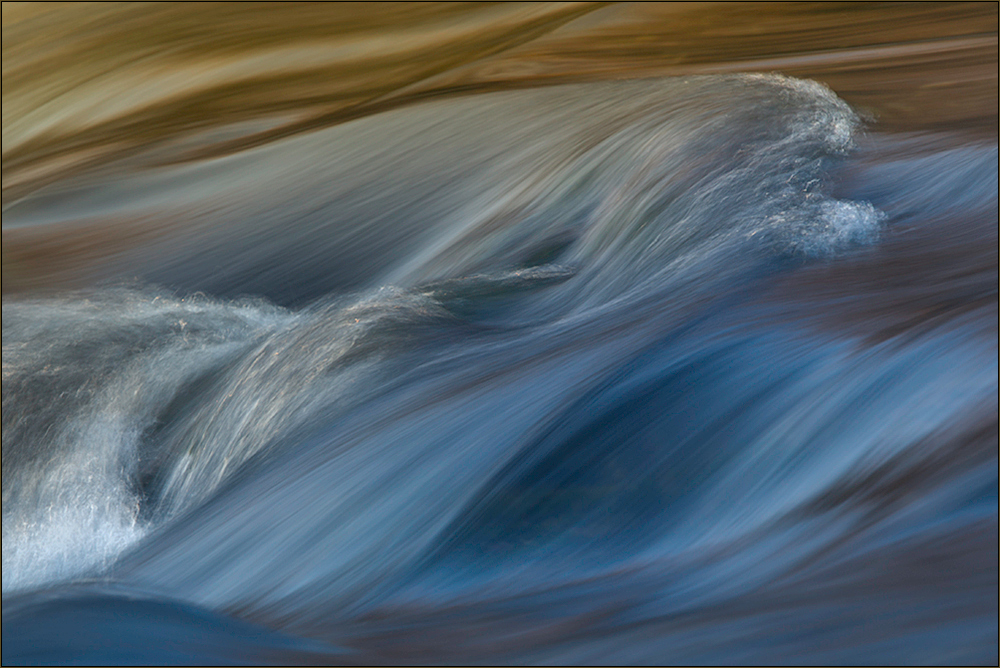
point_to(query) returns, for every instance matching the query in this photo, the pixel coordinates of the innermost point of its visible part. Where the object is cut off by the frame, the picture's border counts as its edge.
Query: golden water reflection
(91, 82)
(96, 89)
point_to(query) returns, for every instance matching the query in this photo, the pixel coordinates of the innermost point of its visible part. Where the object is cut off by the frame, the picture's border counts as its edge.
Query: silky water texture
(674, 369)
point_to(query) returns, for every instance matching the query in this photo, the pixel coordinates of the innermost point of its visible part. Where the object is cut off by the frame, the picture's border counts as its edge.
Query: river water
(463, 333)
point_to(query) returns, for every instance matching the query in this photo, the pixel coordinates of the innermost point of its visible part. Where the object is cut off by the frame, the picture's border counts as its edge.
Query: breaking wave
(596, 373)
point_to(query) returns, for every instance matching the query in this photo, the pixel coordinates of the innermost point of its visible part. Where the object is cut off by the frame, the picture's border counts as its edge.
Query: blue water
(693, 370)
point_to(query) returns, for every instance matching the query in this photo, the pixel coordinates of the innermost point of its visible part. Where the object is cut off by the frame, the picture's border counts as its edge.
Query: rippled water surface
(558, 333)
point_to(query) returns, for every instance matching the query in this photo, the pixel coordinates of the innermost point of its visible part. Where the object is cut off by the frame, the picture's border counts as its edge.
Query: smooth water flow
(695, 369)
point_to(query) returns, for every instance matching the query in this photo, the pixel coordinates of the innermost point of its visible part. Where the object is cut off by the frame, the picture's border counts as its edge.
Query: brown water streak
(95, 90)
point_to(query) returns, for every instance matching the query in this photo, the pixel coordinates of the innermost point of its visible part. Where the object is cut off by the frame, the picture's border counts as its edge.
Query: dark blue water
(695, 370)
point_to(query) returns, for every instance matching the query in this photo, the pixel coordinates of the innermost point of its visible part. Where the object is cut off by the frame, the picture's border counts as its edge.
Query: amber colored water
(500, 333)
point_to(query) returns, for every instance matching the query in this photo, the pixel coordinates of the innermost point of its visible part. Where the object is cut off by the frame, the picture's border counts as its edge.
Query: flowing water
(500, 334)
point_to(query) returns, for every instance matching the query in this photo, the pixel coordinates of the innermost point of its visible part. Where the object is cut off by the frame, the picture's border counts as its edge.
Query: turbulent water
(696, 369)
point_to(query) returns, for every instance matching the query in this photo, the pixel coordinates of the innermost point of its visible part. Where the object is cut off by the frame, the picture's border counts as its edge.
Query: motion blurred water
(360, 336)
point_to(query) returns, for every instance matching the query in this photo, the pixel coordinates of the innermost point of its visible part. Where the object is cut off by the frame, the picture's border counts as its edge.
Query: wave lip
(536, 378)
